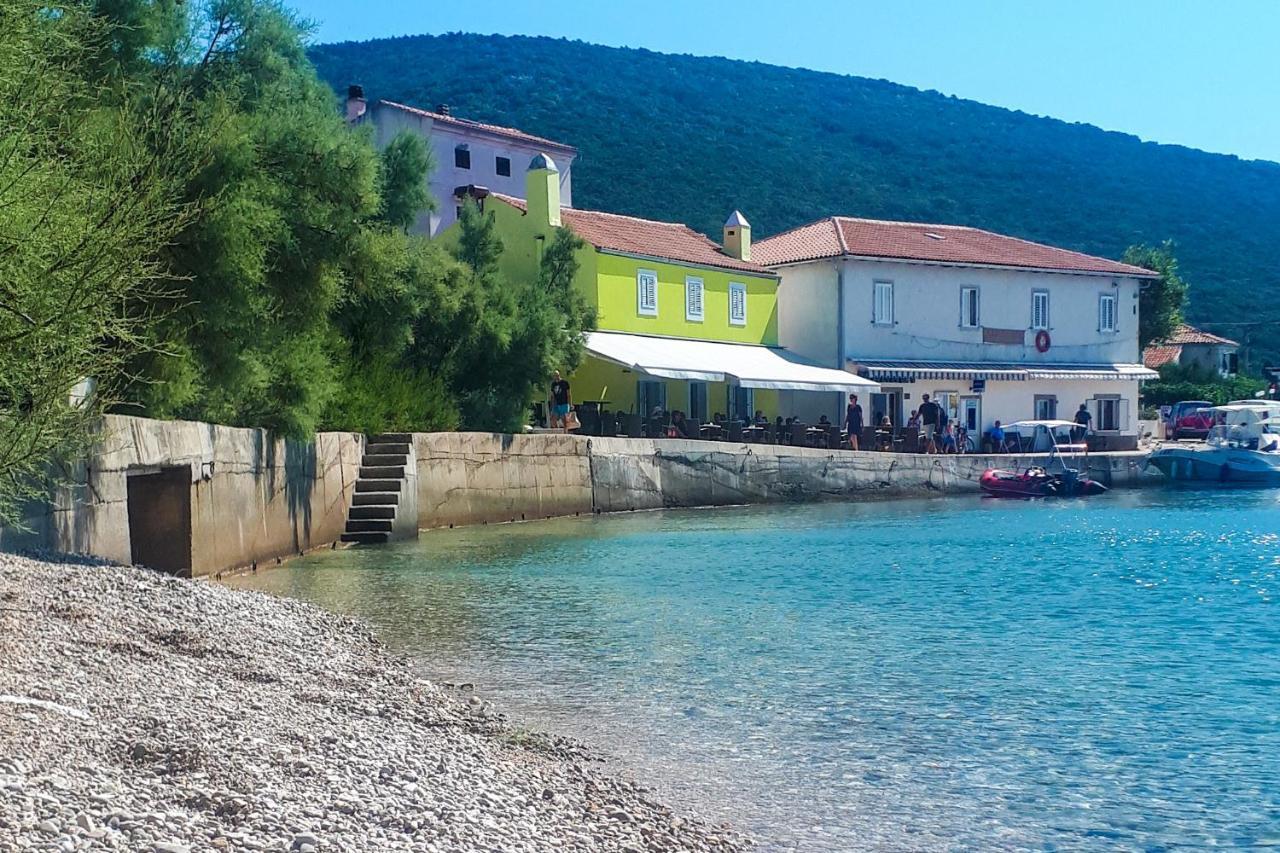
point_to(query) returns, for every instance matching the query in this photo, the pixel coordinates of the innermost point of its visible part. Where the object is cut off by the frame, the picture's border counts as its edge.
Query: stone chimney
(737, 236)
(356, 104)
(542, 191)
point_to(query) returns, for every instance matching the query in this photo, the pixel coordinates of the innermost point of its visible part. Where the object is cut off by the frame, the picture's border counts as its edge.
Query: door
(971, 414)
(650, 395)
(698, 403)
(160, 519)
(888, 403)
(741, 403)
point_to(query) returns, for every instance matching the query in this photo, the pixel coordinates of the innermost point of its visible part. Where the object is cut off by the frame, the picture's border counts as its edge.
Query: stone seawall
(205, 498)
(194, 498)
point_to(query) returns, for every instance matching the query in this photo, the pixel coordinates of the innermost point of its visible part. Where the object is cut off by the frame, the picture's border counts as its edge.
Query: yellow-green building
(682, 323)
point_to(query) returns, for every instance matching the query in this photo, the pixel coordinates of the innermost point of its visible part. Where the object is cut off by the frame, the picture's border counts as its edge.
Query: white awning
(711, 361)
(898, 371)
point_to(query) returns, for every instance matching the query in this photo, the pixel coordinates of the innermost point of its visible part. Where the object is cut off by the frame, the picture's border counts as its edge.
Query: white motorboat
(1243, 447)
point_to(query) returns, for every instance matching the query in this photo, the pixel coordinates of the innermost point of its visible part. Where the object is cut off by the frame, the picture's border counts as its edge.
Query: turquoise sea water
(944, 674)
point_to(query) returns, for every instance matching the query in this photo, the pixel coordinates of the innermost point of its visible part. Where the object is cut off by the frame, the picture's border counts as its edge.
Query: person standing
(853, 421)
(1083, 418)
(930, 412)
(560, 401)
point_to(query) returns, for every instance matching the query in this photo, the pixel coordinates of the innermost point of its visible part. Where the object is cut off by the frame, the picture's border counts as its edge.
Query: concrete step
(391, 438)
(369, 525)
(374, 498)
(366, 538)
(373, 459)
(372, 485)
(364, 512)
(382, 472)
(387, 447)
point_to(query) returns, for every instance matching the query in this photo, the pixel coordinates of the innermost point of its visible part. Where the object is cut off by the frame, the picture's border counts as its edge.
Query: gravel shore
(142, 712)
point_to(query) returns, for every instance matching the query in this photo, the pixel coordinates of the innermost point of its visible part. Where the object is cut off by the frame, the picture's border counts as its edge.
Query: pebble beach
(144, 712)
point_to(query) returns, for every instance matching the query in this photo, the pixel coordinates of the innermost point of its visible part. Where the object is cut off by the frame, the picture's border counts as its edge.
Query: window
(462, 157)
(737, 304)
(882, 308)
(969, 317)
(1228, 363)
(503, 166)
(1107, 313)
(693, 299)
(1040, 309)
(1046, 408)
(647, 293)
(650, 395)
(742, 403)
(1110, 414)
(971, 410)
(948, 400)
(698, 403)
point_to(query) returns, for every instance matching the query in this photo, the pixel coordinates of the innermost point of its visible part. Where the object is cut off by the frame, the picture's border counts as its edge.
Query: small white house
(992, 327)
(467, 154)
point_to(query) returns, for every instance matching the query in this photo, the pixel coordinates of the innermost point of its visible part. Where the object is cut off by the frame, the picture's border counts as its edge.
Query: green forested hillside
(690, 139)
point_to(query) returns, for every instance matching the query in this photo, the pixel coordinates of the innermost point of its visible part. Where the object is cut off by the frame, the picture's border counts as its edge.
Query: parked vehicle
(1183, 419)
(1243, 446)
(1038, 481)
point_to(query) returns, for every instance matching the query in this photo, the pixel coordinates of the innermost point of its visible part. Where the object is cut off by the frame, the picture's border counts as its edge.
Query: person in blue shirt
(997, 437)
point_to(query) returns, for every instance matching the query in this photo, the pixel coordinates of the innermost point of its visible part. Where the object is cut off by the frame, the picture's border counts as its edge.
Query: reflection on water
(917, 674)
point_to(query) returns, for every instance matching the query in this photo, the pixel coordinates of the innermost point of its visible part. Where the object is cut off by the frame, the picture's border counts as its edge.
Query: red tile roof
(497, 130)
(1185, 334)
(670, 241)
(1156, 356)
(954, 244)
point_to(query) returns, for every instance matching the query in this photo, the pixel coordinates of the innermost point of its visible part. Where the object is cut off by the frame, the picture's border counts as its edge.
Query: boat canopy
(1046, 424)
(746, 365)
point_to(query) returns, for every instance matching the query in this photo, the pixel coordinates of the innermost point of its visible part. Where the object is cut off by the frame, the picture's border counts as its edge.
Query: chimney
(356, 104)
(542, 191)
(443, 109)
(737, 236)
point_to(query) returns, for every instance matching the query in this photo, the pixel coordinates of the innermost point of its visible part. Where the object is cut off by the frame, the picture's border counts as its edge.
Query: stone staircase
(381, 491)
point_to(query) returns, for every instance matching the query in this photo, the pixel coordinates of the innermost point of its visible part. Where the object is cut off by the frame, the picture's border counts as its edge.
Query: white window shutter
(1122, 421)
(737, 304)
(693, 288)
(647, 293)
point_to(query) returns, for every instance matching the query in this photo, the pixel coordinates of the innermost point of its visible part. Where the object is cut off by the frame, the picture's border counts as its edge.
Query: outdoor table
(711, 431)
(753, 433)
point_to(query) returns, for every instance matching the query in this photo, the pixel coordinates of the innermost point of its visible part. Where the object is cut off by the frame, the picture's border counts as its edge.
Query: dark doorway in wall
(160, 520)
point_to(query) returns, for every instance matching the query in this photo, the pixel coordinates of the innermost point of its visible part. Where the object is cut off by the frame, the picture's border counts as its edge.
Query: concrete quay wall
(198, 499)
(205, 498)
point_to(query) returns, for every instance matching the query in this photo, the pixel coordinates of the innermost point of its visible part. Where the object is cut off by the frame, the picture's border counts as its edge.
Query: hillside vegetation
(690, 139)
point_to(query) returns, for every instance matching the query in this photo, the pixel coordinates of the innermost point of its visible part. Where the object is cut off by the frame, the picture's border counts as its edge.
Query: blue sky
(1194, 73)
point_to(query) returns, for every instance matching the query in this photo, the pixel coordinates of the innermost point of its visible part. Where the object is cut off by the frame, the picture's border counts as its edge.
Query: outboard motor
(1070, 481)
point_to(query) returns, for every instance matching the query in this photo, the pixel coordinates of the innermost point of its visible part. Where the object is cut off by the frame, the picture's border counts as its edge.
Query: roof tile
(633, 236)
(842, 235)
(1157, 356)
(498, 130)
(1185, 334)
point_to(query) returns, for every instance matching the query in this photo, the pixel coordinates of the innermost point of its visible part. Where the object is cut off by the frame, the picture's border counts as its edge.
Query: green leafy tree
(1192, 382)
(406, 163)
(1160, 301)
(85, 205)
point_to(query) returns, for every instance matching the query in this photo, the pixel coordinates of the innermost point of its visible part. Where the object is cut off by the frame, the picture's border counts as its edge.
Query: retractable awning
(746, 365)
(908, 371)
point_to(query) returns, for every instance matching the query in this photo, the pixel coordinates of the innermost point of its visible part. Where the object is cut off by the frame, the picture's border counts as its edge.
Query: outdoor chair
(734, 430)
(799, 435)
(608, 424)
(631, 425)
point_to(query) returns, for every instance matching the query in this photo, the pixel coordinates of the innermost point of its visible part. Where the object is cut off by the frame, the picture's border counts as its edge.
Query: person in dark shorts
(560, 401)
(930, 413)
(1082, 419)
(853, 421)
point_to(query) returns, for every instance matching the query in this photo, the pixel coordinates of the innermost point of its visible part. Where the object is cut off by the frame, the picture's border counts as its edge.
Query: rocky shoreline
(142, 712)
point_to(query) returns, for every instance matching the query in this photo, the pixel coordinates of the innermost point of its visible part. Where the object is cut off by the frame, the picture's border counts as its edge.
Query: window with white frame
(882, 304)
(1110, 414)
(969, 316)
(1107, 312)
(737, 304)
(693, 299)
(1046, 407)
(1040, 309)
(647, 293)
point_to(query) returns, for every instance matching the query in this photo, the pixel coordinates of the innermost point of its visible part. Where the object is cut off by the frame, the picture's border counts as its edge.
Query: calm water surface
(945, 674)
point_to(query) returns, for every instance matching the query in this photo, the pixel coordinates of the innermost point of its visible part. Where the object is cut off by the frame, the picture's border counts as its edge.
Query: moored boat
(1243, 447)
(1038, 481)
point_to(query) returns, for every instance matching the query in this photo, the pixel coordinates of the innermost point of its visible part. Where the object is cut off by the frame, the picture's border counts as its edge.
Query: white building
(993, 327)
(467, 153)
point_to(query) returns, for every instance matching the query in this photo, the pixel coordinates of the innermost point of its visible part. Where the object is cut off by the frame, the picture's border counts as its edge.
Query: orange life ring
(1042, 340)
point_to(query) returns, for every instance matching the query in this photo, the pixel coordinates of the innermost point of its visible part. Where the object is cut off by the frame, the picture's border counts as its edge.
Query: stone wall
(252, 497)
(474, 478)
